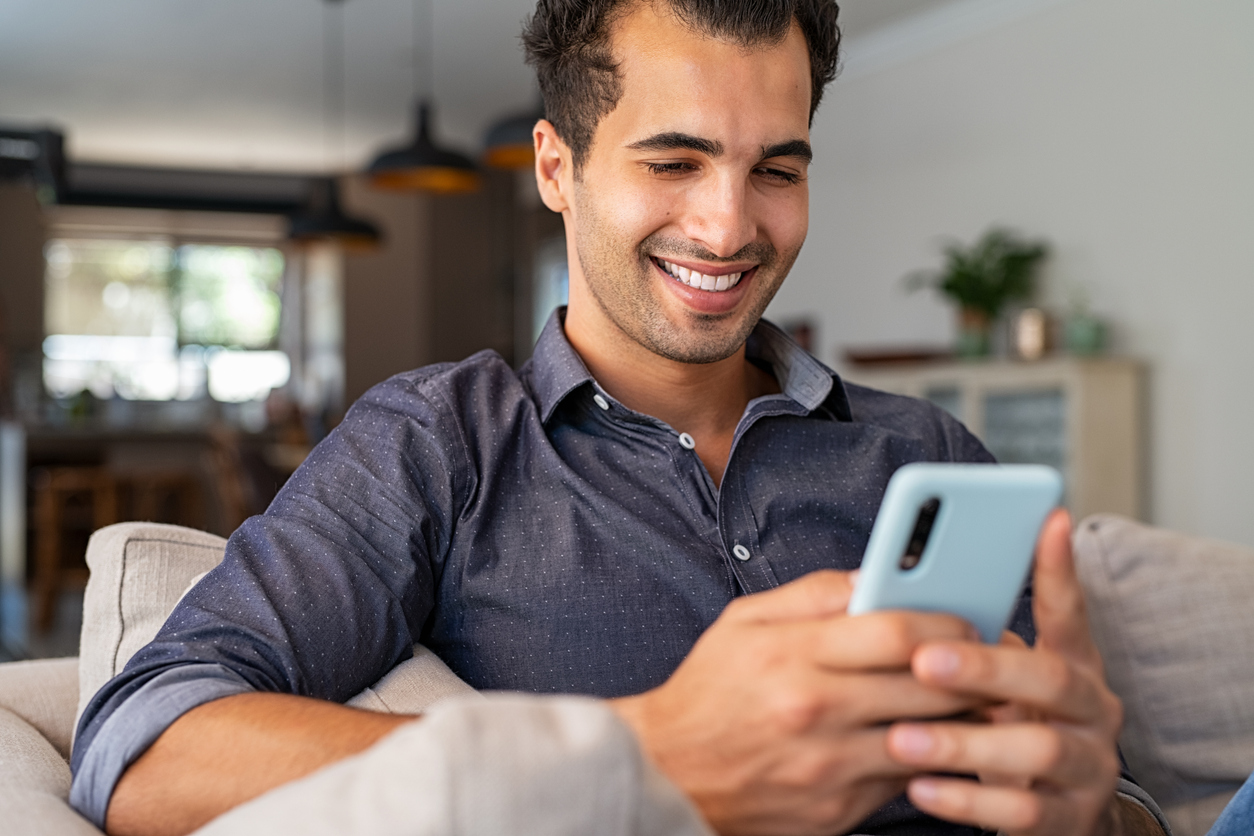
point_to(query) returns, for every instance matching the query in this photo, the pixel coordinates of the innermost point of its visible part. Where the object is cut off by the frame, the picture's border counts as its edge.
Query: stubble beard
(624, 289)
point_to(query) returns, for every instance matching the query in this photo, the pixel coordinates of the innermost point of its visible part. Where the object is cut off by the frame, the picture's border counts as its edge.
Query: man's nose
(718, 217)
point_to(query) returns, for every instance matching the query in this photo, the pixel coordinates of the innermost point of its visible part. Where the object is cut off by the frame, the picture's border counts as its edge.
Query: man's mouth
(700, 281)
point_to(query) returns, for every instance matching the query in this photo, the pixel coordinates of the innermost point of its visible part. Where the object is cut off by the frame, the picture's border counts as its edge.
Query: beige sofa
(1171, 614)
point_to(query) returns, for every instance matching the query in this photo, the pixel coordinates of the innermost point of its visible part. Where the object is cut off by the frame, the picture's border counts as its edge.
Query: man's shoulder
(916, 418)
(483, 368)
(482, 380)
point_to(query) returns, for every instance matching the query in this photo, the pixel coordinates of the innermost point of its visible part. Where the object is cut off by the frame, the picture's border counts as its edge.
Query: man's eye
(668, 168)
(779, 176)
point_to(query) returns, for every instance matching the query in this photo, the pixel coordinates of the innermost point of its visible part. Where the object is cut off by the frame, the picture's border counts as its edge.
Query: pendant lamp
(321, 218)
(421, 165)
(508, 143)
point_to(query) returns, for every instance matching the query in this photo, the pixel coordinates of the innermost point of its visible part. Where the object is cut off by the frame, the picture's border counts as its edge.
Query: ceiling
(237, 84)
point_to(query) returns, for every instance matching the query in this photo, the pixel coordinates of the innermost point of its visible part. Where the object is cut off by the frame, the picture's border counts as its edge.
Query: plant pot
(974, 329)
(1084, 334)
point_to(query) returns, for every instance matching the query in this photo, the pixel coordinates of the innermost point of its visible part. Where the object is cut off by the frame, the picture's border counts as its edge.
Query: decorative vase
(974, 328)
(1084, 334)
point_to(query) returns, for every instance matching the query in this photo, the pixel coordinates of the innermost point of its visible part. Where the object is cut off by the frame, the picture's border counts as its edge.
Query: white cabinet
(1082, 416)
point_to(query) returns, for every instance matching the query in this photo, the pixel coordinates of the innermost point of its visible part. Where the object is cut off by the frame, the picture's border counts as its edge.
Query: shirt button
(600, 401)
(686, 442)
(741, 553)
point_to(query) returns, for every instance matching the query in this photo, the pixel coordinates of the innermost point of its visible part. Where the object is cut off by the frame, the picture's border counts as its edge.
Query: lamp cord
(424, 49)
(334, 129)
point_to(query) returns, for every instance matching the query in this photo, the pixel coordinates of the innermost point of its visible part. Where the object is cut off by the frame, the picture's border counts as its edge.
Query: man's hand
(1046, 760)
(775, 722)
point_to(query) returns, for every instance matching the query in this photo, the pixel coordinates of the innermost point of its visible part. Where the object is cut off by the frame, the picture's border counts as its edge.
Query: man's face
(692, 204)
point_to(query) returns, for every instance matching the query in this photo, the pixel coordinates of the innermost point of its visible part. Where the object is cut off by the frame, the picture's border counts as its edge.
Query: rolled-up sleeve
(130, 729)
(319, 597)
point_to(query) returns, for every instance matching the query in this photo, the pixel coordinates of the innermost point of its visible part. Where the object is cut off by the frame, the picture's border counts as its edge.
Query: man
(592, 523)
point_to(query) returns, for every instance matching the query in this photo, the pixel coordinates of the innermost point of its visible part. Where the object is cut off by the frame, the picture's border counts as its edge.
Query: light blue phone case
(980, 549)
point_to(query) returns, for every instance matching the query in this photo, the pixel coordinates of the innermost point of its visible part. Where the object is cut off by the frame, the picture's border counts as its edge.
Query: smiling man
(661, 509)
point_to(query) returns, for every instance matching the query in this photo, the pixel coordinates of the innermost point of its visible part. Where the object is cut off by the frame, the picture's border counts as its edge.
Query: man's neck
(704, 400)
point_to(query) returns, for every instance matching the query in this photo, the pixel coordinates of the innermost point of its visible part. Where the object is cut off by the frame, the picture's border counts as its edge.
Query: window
(151, 319)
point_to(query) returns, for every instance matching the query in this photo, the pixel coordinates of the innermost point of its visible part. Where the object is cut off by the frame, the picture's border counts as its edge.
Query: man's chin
(702, 342)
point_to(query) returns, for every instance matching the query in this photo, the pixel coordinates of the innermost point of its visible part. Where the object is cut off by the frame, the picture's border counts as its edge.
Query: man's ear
(553, 166)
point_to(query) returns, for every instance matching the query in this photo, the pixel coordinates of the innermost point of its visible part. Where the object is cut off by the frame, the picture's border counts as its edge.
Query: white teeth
(701, 281)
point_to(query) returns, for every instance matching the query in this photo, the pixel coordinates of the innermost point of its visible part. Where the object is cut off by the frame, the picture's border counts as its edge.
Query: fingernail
(914, 742)
(924, 790)
(939, 662)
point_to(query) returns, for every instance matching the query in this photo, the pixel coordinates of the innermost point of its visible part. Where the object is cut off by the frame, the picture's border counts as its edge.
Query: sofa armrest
(44, 693)
(35, 783)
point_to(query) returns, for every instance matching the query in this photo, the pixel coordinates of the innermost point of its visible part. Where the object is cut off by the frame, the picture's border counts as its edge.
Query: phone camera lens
(920, 535)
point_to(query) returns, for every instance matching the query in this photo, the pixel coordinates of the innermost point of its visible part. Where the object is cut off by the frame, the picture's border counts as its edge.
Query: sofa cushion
(1172, 617)
(34, 784)
(43, 693)
(138, 573)
(413, 686)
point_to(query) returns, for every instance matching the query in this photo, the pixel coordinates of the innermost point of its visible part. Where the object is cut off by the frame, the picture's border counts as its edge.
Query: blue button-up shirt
(535, 533)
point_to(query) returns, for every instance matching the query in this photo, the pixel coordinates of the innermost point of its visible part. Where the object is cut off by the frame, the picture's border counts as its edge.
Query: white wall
(1122, 131)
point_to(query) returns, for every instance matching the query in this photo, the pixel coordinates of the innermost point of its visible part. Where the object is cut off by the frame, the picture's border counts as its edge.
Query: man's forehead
(677, 79)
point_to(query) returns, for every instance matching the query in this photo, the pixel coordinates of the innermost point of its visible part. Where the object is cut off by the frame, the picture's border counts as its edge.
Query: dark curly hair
(568, 44)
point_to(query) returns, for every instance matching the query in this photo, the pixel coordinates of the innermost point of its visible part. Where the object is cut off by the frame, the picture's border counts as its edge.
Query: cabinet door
(1027, 427)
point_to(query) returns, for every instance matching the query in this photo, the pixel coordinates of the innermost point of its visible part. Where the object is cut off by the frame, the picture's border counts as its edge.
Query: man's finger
(820, 594)
(1058, 599)
(1004, 809)
(1012, 639)
(884, 640)
(1035, 751)
(1038, 679)
(856, 700)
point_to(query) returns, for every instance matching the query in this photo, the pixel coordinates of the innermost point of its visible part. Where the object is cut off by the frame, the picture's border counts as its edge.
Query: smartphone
(956, 538)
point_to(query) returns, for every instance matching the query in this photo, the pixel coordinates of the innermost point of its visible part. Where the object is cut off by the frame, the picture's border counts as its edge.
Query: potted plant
(982, 279)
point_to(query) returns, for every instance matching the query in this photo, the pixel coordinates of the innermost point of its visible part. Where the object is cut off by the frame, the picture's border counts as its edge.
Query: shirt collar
(558, 370)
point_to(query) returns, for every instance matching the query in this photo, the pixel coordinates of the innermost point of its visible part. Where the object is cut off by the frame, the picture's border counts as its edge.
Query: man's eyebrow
(676, 141)
(792, 148)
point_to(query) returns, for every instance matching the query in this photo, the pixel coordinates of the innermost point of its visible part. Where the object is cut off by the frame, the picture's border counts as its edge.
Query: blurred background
(220, 223)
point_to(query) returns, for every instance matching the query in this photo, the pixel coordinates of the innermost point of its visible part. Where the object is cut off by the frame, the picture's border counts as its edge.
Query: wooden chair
(66, 499)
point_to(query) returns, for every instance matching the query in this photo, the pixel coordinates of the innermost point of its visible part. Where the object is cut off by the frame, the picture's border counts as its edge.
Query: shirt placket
(739, 532)
(738, 527)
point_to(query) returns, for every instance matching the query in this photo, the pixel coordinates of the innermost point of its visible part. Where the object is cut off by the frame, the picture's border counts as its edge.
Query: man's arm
(229, 751)
(807, 701)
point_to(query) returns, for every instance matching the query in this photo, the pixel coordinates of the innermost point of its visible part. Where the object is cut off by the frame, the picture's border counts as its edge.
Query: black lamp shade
(424, 166)
(322, 219)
